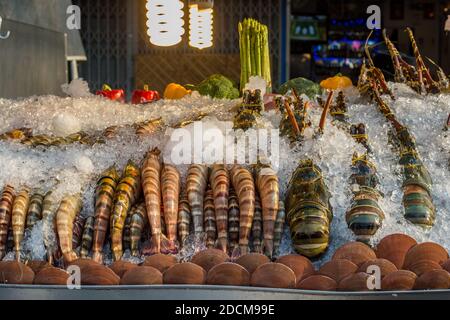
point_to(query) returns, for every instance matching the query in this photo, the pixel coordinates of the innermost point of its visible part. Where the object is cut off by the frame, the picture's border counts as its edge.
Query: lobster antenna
(366, 49)
(325, 111)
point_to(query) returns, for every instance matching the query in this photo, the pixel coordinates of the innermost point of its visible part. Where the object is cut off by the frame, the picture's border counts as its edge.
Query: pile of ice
(75, 168)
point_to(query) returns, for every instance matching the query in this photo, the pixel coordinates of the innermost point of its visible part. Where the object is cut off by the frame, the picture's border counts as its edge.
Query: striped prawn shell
(257, 226)
(196, 183)
(104, 199)
(233, 219)
(34, 213)
(68, 210)
(308, 210)
(210, 219)
(148, 127)
(365, 216)
(138, 222)
(244, 185)
(170, 188)
(49, 207)
(268, 188)
(77, 231)
(6, 203)
(151, 184)
(86, 238)
(279, 227)
(417, 183)
(220, 184)
(184, 219)
(19, 215)
(127, 192)
(126, 238)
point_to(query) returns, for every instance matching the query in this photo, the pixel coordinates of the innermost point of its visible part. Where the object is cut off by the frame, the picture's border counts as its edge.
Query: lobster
(127, 192)
(294, 116)
(417, 182)
(138, 222)
(66, 214)
(104, 197)
(184, 219)
(250, 109)
(220, 184)
(87, 237)
(244, 185)
(210, 219)
(34, 213)
(19, 215)
(308, 208)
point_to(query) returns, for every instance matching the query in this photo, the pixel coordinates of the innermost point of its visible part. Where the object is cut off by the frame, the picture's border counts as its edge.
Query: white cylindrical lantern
(200, 27)
(165, 22)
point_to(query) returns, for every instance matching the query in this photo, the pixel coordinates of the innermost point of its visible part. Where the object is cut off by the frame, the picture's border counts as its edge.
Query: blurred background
(309, 38)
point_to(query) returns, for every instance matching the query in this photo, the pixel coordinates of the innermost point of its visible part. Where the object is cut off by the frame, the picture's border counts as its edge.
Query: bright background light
(165, 22)
(200, 27)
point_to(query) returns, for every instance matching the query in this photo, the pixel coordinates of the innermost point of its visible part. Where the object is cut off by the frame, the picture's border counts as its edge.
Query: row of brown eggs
(403, 264)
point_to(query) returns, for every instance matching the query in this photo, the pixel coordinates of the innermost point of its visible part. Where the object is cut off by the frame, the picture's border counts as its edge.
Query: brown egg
(401, 280)
(433, 280)
(425, 251)
(356, 252)
(338, 269)
(51, 276)
(83, 263)
(385, 266)
(318, 282)
(185, 273)
(354, 282)
(251, 261)
(162, 262)
(97, 274)
(446, 265)
(273, 275)
(228, 274)
(209, 258)
(142, 276)
(37, 266)
(13, 272)
(394, 248)
(301, 265)
(120, 267)
(422, 266)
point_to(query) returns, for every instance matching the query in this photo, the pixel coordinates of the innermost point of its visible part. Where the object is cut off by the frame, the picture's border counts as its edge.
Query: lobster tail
(308, 210)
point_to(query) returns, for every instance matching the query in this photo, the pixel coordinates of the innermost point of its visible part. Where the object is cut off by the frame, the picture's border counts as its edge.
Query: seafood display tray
(201, 292)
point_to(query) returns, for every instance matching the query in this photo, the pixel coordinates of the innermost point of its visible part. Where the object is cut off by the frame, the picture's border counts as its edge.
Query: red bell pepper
(115, 95)
(144, 96)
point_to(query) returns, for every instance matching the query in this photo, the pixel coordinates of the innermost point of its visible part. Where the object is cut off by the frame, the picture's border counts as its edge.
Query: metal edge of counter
(201, 292)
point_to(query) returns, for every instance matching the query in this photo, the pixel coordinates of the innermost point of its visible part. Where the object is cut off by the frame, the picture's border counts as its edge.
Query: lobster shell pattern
(127, 192)
(139, 221)
(297, 112)
(365, 216)
(279, 227)
(257, 226)
(233, 219)
(151, 184)
(170, 187)
(210, 219)
(87, 237)
(34, 213)
(245, 189)
(252, 105)
(148, 127)
(77, 232)
(220, 184)
(196, 183)
(309, 213)
(19, 215)
(104, 197)
(49, 207)
(268, 188)
(184, 219)
(6, 203)
(67, 212)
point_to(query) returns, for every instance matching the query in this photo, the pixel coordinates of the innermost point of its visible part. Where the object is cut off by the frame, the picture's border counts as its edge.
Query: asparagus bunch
(254, 50)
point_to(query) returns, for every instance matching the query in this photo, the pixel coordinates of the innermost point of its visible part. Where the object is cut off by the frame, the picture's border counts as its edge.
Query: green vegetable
(218, 86)
(302, 86)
